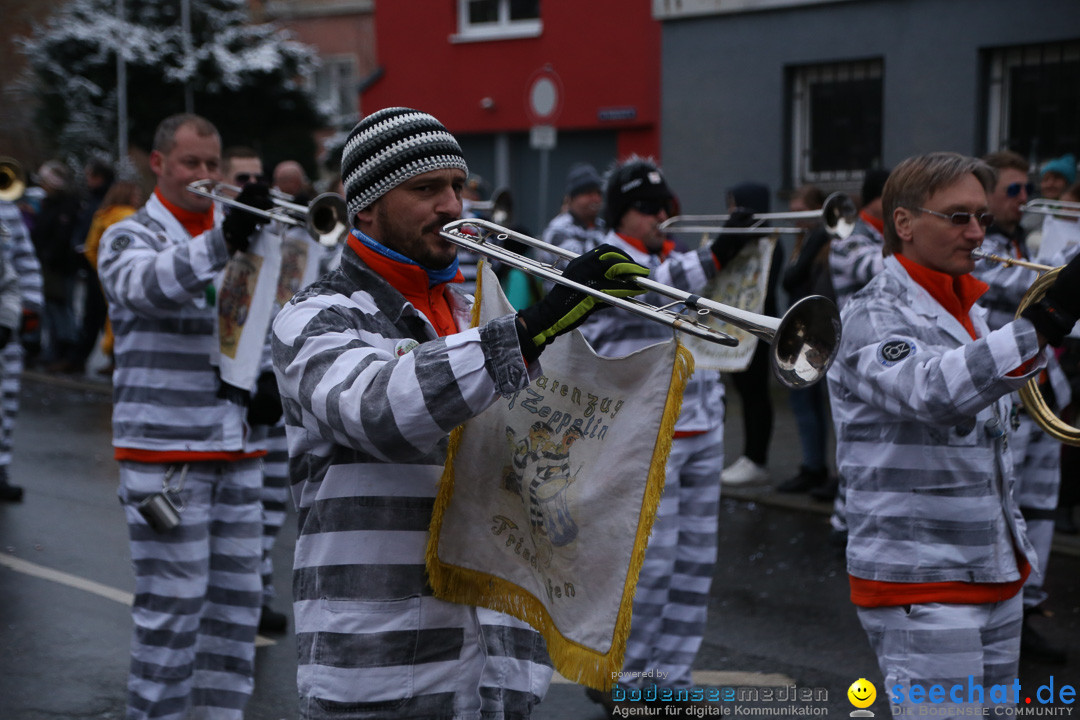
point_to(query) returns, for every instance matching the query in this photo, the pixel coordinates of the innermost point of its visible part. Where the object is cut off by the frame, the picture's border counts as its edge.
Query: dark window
(1039, 112)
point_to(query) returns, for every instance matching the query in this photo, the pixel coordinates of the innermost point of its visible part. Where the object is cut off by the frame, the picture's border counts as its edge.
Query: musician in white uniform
(197, 586)
(937, 551)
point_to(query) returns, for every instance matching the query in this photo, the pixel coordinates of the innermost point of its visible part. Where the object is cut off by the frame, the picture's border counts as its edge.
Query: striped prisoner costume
(1036, 455)
(370, 393)
(198, 593)
(921, 414)
(19, 252)
(668, 620)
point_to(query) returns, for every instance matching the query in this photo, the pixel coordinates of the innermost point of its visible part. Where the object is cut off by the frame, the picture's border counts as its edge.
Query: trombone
(1046, 206)
(12, 180)
(804, 342)
(324, 218)
(838, 214)
(1030, 395)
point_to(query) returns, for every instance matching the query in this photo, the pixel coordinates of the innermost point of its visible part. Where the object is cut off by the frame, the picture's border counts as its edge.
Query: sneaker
(744, 471)
(271, 621)
(806, 480)
(826, 491)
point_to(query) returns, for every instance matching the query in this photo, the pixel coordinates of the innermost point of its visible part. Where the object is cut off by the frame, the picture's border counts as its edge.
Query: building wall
(724, 106)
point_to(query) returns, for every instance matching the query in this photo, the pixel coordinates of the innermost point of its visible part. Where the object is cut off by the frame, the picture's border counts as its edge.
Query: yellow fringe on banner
(572, 660)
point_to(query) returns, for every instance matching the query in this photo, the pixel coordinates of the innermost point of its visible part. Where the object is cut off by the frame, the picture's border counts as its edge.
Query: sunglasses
(1014, 189)
(245, 178)
(963, 218)
(651, 207)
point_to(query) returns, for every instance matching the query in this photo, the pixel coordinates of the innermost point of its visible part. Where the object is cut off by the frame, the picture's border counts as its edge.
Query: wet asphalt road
(779, 615)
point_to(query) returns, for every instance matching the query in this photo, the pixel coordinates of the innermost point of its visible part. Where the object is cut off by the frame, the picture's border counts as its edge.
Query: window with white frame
(498, 19)
(1033, 106)
(836, 120)
(336, 89)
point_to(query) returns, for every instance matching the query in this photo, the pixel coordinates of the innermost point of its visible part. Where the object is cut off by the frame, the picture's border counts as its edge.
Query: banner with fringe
(548, 497)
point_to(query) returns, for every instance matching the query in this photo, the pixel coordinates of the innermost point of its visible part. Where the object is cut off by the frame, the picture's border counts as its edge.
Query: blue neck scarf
(434, 276)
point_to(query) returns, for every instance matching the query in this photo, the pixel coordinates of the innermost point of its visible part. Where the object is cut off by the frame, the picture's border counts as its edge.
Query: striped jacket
(19, 250)
(854, 260)
(370, 393)
(614, 332)
(1007, 283)
(921, 420)
(165, 387)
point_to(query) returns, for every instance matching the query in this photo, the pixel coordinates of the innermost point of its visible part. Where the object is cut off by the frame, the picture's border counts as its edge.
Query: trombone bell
(326, 219)
(12, 180)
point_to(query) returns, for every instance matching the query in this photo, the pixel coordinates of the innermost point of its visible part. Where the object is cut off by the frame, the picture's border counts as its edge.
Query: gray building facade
(787, 92)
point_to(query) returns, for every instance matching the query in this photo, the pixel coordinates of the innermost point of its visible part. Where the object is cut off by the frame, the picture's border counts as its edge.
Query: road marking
(721, 678)
(109, 593)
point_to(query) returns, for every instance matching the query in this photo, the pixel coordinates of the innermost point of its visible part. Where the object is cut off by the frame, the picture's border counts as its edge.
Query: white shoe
(744, 471)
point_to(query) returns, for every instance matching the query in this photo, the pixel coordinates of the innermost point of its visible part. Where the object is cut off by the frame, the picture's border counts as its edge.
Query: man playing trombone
(376, 363)
(189, 477)
(937, 550)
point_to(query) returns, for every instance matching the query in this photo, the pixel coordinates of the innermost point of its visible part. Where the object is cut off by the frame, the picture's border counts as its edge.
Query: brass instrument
(12, 180)
(325, 218)
(1058, 208)
(838, 215)
(804, 341)
(1030, 395)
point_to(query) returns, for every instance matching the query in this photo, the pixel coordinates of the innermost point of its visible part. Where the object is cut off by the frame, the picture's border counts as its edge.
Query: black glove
(239, 224)
(264, 408)
(727, 245)
(1057, 312)
(605, 268)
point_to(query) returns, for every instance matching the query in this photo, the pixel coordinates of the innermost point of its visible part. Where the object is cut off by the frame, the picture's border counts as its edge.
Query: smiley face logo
(862, 693)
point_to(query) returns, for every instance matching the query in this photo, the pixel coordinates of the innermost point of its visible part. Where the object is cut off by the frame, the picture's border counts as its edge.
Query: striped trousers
(11, 367)
(668, 622)
(948, 645)
(275, 499)
(1037, 458)
(197, 591)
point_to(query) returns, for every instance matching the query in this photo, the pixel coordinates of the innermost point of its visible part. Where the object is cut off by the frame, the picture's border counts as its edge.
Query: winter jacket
(854, 260)
(370, 393)
(922, 430)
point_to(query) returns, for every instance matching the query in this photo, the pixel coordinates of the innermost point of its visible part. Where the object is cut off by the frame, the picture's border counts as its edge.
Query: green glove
(605, 268)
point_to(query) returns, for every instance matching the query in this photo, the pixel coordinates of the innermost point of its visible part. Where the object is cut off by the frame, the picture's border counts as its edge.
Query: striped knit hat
(390, 146)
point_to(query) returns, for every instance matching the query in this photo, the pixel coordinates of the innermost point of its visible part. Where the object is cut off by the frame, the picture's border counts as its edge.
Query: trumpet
(1030, 395)
(12, 180)
(838, 215)
(324, 218)
(804, 342)
(1059, 208)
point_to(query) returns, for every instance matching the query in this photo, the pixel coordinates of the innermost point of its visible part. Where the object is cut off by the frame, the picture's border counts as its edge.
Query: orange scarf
(195, 223)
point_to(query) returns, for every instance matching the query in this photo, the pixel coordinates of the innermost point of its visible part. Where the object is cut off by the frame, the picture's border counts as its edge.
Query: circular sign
(544, 96)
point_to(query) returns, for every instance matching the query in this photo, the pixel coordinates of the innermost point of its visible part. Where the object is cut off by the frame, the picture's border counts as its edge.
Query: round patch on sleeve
(404, 347)
(891, 352)
(120, 242)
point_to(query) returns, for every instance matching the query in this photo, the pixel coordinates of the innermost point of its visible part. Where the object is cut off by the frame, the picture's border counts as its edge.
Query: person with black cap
(376, 363)
(669, 613)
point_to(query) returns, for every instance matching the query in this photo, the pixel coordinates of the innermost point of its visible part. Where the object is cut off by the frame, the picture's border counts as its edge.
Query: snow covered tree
(247, 79)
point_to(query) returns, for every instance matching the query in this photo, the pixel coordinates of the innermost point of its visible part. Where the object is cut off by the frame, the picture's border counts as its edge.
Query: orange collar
(195, 223)
(874, 222)
(956, 295)
(664, 251)
(412, 282)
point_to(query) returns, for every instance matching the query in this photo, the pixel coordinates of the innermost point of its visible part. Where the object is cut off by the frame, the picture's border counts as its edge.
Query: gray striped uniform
(566, 232)
(1036, 455)
(19, 252)
(368, 410)
(921, 414)
(198, 590)
(668, 621)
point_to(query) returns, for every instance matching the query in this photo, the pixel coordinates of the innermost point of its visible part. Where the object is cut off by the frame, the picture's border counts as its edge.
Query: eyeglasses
(244, 178)
(963, 218)
(1014, 189)
(650, 207)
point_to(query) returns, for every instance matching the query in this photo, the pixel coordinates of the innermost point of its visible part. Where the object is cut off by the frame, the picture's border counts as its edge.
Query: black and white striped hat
(390, 146)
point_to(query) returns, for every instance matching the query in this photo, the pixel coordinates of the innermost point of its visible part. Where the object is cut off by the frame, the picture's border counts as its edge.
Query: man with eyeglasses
(937, 550)
(241, 165)
(669, 613)
(1036, 455)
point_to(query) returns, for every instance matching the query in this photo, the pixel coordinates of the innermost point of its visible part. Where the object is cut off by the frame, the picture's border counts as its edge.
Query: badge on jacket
(891, 352)
(405, 346)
